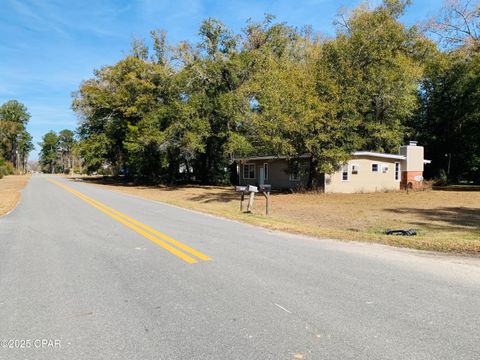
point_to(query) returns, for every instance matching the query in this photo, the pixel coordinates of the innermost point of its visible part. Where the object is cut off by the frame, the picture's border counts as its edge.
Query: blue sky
(48, 47)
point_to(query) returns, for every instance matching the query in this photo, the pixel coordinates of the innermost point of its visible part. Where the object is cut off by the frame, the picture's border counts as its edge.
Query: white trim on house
(380, 155)
(397, 171)
(266, 170)
(356, 153)
(345, 169)
(281, 157)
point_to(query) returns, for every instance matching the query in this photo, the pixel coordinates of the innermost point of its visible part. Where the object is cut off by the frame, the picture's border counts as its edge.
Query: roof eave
(379, 155)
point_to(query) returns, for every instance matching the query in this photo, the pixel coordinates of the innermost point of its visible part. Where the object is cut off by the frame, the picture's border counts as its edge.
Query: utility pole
(448, 165)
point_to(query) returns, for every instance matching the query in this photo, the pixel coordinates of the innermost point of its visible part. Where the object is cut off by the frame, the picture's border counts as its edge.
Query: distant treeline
(59, 152)
(184, 113)
(15, 141)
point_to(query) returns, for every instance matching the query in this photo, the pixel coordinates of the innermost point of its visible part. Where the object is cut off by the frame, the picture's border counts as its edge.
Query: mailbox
(265, 188)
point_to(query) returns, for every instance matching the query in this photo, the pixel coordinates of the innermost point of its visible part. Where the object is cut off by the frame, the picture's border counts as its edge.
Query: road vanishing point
(90, 273)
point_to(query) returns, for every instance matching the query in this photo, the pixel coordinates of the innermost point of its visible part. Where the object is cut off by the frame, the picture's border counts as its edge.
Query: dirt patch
(446, 221)
(10, 187)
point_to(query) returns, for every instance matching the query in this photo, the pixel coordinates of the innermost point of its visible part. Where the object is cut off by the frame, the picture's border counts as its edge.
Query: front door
(261, 178)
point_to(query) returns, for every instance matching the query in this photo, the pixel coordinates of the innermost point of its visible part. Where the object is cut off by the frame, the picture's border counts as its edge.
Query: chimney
(412, 166)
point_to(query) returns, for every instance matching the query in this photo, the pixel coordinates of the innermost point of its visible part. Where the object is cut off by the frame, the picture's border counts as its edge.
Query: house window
(374, 167)
(294, 176)
(397, 171)
(385, 169)
(345, 172)
(265, 170)
(355, 169)
(249, 171)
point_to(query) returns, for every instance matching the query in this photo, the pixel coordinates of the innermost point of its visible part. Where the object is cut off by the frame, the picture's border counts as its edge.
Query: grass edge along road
(10, 192)
(151, 234)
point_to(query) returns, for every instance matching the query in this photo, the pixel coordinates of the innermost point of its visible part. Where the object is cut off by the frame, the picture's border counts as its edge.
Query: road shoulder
(223, 203)
(10, 192)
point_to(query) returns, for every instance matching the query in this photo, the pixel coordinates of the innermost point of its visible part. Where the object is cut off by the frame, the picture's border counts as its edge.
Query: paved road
(74, 272)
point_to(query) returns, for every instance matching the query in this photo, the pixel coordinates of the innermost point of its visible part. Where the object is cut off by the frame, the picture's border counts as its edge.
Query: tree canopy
(15, 141)
(183, 113)
(58, 151)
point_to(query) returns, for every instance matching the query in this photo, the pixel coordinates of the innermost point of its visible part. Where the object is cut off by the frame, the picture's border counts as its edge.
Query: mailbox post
(264, 190)
(241, 190)
(252, 190)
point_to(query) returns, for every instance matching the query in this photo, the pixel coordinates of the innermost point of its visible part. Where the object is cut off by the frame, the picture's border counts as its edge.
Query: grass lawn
(447, 221)
(10, 187)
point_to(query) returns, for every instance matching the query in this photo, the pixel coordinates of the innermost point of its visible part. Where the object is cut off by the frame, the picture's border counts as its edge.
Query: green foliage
(58, 151)
(49, 153)
(449, 118)
(118, 107)
(184, 113)
(15, 141)
(375, 63)
(6, 168)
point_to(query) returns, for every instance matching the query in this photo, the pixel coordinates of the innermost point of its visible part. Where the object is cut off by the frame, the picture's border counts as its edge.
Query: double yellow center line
(186, 253)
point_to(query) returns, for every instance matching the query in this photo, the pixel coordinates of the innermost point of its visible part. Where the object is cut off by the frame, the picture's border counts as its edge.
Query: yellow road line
(140, 228)
(153, 231)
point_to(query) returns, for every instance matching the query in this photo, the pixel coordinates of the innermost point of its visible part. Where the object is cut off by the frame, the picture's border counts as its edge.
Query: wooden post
(242, 196)
(267, 196)
(250, 201)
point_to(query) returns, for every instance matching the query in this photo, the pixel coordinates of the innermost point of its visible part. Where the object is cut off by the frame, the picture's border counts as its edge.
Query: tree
(25, 146)
(66, 142)
(49, 152)
(457, 24)
(13, 120)
(185, 113)
(375, 64)
(211, 73)
(287, 114)
(448, 120)
(126, 105)
(93, 151)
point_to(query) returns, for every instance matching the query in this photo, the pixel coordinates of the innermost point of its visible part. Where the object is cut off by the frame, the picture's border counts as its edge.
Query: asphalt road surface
(88, 273)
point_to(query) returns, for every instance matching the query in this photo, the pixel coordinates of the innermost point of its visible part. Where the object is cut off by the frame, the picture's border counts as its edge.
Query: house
(366, 171)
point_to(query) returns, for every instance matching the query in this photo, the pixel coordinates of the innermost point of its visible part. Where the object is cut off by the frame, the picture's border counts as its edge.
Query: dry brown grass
(10, 187)
(446, 220)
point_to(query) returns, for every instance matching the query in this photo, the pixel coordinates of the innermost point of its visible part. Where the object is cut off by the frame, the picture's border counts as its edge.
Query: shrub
(442, 180)
(6, 168)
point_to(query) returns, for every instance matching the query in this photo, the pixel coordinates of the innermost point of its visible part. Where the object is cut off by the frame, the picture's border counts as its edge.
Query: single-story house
(366, 171)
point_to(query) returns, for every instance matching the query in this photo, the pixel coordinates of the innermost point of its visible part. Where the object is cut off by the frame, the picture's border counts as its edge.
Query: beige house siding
(394, 171)
(365, 180)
